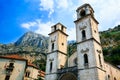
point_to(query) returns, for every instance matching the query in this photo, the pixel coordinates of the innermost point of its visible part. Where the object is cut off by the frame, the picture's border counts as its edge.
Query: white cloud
(39, 27)
(28, 25)
(72, 33)
(44, 28)
(62, 3)
(47, 5)
(107, 14)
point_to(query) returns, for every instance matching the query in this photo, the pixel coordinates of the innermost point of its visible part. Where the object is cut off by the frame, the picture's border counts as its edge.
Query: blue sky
(20, 16)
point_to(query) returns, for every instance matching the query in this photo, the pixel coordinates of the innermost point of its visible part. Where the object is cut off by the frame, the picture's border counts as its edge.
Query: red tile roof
(32, 65)
(13, 56)
(41, 73)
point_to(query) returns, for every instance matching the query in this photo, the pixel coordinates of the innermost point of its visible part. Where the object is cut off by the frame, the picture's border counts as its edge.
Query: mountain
(110, 40)
(32, 39)
(29, 42)
(34, 44)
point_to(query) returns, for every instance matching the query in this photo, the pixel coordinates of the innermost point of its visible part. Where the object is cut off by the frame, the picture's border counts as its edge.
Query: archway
(68, 76)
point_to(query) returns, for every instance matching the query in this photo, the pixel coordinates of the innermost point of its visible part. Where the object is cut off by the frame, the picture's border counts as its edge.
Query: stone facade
(32, 72)
(12, 67)
(87, 63)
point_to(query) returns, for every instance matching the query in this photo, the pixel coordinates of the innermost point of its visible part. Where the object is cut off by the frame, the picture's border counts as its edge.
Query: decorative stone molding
(99, 51)
(82, 28)
(86, 50)
(51, 59)
(53, 40)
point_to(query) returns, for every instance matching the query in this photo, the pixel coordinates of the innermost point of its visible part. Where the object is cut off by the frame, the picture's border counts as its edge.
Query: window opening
(83, 35)
(51, 66)
(86, 60)
(52, 46)
(82, 13)
(100, 60)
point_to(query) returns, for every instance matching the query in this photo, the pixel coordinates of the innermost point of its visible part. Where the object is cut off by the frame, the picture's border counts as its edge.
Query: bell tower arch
(89, 51)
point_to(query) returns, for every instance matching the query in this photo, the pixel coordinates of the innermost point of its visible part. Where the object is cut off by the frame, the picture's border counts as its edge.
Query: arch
(115, 78)
(27, 74)
(85, 60)
(75, 61)
(62, 28)
(100, 60)
(51, 64)
(55, 28)
(52, 46)
(108, 77)
(82, 13)
(83, 34)
(68, 76)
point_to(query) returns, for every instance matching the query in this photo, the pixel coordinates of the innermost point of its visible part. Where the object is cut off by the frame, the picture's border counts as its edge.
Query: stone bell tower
(89, 51)
(57, 51)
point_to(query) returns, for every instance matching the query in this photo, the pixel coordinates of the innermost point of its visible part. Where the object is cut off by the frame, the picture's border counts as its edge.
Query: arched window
(54, 28)
(7, 77)
(62, 28)
(27, 74)
(100, 60)
(83, 35)
(115, 78)
(108, 77)
(51, 64)
(52, 46)
(82, 13)
(86, 60)
(75, 61)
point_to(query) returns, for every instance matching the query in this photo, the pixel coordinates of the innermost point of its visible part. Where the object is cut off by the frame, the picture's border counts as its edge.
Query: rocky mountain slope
(34, 46)
(29, 42)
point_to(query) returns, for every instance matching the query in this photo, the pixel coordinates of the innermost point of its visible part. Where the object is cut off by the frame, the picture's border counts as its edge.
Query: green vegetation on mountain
(36, 44)
(110, 41)
(40, 64)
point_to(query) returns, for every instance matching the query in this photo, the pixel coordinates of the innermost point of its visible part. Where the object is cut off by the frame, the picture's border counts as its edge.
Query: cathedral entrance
(68, 76)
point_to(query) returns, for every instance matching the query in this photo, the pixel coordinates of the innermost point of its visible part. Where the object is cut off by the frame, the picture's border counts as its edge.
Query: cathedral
(87, 63)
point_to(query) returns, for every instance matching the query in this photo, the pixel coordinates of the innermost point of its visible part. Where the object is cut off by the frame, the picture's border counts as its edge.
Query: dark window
(108, 77)
(7, 77)
(11, 64)
(51, 66)
(115, 78)
(100, 60)
(62, 28)
(75, 61)
(10, 67)
(86, 60)
(83, 35)
(52, 46)
(27, 74)
(54, 27)
(82, 13)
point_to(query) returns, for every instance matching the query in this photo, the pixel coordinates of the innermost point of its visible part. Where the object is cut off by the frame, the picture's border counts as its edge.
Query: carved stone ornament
(53, 40)
(51, 59)
(82, 28)
(99, 51)
(86, 50)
